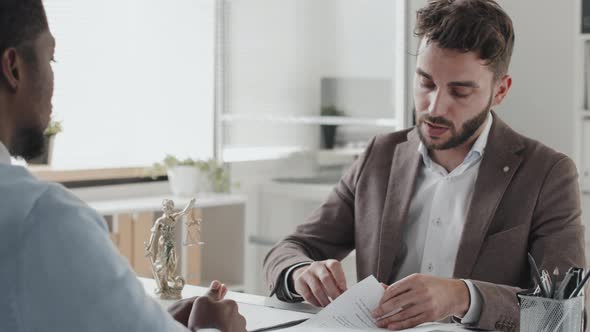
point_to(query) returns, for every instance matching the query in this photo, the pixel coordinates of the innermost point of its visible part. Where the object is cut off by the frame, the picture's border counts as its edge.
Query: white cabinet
(131, 210)
(285, 206)
(581, 95)
(585, 158)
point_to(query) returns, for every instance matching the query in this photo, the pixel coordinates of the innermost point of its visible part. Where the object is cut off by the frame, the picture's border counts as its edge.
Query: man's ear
(502, 87)
(11, 67)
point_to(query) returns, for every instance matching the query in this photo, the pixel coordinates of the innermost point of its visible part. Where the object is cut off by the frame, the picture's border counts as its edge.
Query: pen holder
(539, 314)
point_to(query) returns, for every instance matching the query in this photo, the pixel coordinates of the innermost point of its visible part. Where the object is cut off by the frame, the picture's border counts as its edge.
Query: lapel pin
(506, 169)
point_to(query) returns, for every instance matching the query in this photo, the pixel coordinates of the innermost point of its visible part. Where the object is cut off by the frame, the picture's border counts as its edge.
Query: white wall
(541, 103)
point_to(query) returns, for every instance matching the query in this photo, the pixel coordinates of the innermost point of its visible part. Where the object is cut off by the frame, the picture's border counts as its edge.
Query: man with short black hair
(444, 213)
(59, 269)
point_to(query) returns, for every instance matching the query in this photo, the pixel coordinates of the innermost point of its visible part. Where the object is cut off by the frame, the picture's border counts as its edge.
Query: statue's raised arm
(185, 210)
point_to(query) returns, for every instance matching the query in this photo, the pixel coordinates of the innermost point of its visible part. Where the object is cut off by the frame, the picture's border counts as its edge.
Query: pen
(546, 279)
(580, 286)
(554, 281)
(280, 326)
(560, 293)
(536, 274)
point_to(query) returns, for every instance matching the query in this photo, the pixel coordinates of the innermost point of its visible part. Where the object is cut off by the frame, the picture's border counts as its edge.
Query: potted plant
(217, 175)
(54, 128)
(188, 176)
(329, 131)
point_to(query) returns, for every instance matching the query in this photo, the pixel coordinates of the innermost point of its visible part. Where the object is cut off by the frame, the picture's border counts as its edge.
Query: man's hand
(209, 311)
(222, 315)
(419, 299)
(319, 282)
(181, 310)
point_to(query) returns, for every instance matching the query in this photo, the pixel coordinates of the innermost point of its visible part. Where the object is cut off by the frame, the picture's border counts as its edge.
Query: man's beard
(468, 129)
(28, 143)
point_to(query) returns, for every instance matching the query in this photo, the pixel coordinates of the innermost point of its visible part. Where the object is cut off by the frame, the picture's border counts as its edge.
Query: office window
(134, 81)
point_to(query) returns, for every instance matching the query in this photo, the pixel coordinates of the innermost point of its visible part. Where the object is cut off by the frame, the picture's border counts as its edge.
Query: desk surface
(261, 311)
(190, 291)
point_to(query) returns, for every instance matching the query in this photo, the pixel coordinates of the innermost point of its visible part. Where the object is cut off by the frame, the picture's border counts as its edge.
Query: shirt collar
(477, 149)
(4, 155)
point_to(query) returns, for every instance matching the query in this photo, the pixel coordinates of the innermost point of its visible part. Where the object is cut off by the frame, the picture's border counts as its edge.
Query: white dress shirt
(437, 214)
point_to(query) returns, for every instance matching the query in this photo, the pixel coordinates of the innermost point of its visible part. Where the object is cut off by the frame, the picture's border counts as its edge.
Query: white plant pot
(186, 180)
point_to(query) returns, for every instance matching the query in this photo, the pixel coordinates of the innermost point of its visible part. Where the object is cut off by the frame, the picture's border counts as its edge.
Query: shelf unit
(259, 153)
(234, 154)
(272, 63)
(243, 120)
(312, 120)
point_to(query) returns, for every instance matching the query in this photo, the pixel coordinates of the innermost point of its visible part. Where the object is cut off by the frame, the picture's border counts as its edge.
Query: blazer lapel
(402, 178)
(498, 166)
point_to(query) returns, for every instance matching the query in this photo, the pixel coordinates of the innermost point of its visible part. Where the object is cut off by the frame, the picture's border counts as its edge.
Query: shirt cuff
(475, 300)
(292, 295)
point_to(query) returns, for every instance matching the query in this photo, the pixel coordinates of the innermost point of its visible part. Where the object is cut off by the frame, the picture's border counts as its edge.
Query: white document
(351, 311)
(260, 317)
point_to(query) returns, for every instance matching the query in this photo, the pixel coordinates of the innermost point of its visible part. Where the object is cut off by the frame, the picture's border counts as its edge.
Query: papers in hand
(351, 311)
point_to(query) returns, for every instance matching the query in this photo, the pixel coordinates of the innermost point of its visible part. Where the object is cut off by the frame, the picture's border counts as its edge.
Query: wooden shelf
(48, 173)
(312, 120)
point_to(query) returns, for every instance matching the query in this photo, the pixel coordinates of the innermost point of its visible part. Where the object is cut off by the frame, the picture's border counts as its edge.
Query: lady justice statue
(161, 250)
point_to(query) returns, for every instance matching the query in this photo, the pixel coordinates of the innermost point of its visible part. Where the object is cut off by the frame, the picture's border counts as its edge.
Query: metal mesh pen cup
(539, 314)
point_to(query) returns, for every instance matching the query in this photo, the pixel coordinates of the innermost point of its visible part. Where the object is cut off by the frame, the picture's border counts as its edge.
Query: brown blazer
(526, 198)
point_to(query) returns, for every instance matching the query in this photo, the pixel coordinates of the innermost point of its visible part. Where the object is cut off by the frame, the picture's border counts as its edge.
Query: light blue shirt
(59, 271)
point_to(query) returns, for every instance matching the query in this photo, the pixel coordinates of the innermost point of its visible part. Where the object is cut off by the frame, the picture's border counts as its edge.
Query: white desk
(154, 203)
(261, 311)
(190, 291)
(130, 218)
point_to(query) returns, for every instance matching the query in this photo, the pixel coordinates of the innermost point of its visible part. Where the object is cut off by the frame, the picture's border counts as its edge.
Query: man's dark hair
(480, 26)
(21, 22)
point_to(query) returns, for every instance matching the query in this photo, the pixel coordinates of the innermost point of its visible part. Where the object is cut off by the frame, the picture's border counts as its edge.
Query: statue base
(169, 294)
